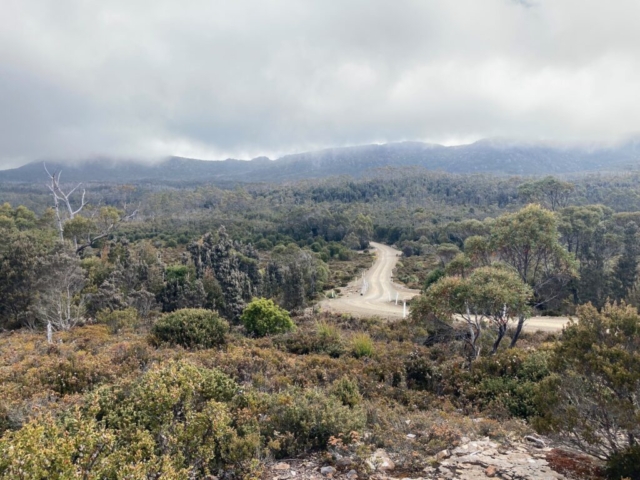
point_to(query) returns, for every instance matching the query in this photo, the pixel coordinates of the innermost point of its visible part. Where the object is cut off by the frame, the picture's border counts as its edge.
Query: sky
(241, 78)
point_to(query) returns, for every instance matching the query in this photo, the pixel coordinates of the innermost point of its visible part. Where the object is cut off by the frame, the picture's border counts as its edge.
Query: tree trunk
(502, 329)
(514, 339)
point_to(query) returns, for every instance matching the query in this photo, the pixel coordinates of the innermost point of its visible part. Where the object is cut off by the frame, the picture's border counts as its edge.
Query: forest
(174, 330)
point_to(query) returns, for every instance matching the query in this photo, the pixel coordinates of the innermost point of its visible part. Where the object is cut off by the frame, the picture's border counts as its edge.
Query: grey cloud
(213, 79)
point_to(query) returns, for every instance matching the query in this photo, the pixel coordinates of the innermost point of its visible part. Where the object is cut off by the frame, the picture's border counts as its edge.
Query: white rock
(327, 470)
(380, 461)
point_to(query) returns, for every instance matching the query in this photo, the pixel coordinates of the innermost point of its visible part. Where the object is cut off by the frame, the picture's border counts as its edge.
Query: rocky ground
(472, 459)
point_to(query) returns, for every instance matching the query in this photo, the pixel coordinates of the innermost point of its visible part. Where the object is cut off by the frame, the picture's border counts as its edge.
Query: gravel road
(374, 294)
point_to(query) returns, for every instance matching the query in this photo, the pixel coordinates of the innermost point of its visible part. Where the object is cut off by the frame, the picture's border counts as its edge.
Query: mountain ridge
(483, 156)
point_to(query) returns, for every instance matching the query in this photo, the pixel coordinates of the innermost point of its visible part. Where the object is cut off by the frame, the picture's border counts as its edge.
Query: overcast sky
(240, 78)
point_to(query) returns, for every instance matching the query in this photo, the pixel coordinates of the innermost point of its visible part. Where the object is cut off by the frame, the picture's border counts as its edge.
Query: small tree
(59, 304)
(490, 294)
(263, 317)
(501, 296)
(528, 241)
(553, 192)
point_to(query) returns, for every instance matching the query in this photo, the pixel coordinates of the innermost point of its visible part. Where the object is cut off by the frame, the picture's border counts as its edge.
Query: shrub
(117, 320)
(300, 420)
(74, 372)
(362, 345)
(191, 328)
(173, 422)
(597, 361)
(508, 383)
(423, 373)
(263, 317)
(158, 396)
(624, 464)
(347, 391)
(327, 332)
(326, 339)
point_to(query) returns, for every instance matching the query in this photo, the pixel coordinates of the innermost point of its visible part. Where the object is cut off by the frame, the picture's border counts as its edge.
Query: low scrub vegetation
(99, 402)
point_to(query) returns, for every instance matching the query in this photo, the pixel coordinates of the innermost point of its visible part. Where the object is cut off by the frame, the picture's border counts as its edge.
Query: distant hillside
(486, 156)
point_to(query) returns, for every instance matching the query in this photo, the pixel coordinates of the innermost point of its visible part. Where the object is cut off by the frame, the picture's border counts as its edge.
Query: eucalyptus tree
(489, 294)
(528, 241)
(552, 192)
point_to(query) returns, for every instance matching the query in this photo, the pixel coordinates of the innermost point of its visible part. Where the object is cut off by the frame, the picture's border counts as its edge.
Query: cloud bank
(213, 79)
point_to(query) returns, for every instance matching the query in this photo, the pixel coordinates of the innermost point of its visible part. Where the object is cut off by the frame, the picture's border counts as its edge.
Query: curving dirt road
(374, 294)
(379, 294)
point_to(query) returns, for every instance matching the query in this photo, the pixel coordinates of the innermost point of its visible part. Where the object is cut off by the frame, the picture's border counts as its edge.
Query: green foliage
(490, 294)
(447, 252)
(191, 328)
(507, 384)
(459, 265)
(528, 241)
(325, 339)
(173, 422)
(263, 317)
(433, 277)
(300, 420)
(624, 464)
(362, 345)
(347, 391)
(553, 192)
(591, 401)
(328, 333)
(117, 320)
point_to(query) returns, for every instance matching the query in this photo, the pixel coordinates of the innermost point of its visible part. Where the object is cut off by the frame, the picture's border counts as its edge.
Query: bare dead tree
(60, 197)
(103, 223)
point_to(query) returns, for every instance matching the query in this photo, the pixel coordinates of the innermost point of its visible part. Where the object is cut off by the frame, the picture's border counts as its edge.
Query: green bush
(300, 420)
(423, 373)
(347, 391)
(117, 320)
(509, 382)
(156, 398)
(326, 339)
(624, 464)
(173, 422)
(191, 328)
(263, 317)
(362, 345)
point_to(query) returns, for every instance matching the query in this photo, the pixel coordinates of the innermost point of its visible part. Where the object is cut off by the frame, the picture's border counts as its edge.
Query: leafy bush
(509, 382)
(624, 464)
(300, 420)
(173, 422)
(347, 391)
(325, 339)
(191, 328)
(74, 372)
(362, 345)
(117, 320)
(422, 373)
(263, 317)
(597, 361)
(151, 401)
